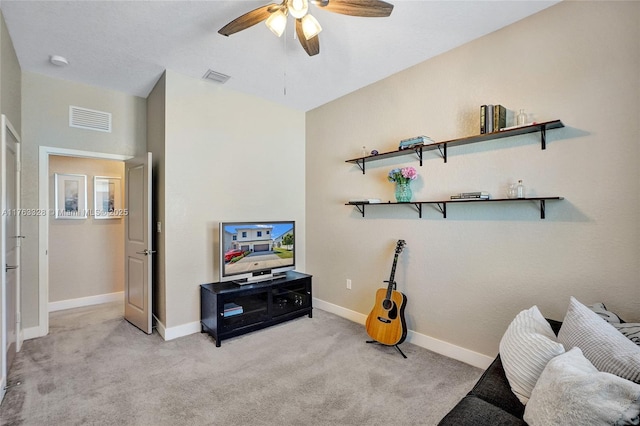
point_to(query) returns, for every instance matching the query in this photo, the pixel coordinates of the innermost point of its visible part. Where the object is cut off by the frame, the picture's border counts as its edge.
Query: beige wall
(45, 112)
(468, 275)
(10, 77)
(86, 256)
(228, 156)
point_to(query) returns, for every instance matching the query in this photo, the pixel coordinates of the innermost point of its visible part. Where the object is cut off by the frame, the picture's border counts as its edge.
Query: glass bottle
(364, 151)
(520, 189)
(521, 118)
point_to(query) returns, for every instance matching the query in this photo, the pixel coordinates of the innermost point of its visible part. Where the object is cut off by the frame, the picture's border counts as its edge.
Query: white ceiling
(126, 45)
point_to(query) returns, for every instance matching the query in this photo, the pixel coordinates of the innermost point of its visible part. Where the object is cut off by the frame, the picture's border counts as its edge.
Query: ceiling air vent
(89, 119)
(216, 76)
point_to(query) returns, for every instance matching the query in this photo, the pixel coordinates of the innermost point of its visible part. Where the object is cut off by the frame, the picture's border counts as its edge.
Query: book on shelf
(231, 309)
(366, 201)
(482, 195)
(415, 141)
(492, 118)
(469, 197)
(499, 117)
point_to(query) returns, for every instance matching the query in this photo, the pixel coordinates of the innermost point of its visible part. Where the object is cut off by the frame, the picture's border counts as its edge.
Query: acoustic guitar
(385, 324)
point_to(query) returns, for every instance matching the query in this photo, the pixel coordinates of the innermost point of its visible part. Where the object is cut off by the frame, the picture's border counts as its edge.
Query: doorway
(86, 235)
(46, 186)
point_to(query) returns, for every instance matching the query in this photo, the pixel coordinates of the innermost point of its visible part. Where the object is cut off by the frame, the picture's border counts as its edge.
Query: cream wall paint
(10, 77)
(228, 156)
(467, 276)
(45, 112)
(86, 257)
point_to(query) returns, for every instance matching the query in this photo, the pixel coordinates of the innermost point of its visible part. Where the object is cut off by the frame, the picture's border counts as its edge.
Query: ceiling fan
(307, 27)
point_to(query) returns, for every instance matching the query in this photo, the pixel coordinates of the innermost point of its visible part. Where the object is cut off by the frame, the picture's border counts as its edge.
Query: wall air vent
(89, 119)
(216, 76)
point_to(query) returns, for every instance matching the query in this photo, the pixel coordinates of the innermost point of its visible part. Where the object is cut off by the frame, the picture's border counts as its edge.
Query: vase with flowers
(402, 177)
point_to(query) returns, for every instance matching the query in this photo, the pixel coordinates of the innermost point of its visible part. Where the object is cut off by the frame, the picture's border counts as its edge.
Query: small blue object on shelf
(374, 152)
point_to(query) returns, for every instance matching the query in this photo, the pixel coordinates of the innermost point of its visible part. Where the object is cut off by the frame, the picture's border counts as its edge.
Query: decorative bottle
(521, 118)
(520, 189)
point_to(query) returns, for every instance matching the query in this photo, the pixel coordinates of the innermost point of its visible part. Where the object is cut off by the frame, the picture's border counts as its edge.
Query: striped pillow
(526, 347)
(603, 345)
(631, 330)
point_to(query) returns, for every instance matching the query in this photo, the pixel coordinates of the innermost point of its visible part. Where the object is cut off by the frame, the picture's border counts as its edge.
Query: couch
(491, 401)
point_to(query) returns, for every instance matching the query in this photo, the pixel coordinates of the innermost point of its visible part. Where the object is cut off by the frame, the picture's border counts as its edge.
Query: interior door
(10, 240)
(138, 243)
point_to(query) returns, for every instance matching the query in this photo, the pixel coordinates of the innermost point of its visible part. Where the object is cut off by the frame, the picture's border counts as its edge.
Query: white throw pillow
(603, 345)
(526, 347)
(571, 391)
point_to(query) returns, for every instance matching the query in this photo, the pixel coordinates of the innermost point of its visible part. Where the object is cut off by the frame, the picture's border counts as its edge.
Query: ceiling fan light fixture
(310, 27)
(277, 22)
(298, 8)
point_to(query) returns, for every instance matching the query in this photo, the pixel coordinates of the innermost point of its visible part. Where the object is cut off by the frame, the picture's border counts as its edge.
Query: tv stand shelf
(262, 304)
(442, 204)
(442, 146)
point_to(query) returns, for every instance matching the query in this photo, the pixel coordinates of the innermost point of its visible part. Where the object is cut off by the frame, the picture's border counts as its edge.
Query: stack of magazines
(482, 195)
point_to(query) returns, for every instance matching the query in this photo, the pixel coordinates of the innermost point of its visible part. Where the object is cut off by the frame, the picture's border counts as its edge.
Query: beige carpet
(94, 368)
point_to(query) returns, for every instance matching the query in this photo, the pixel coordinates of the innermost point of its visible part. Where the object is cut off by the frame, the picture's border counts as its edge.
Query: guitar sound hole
(387, 304)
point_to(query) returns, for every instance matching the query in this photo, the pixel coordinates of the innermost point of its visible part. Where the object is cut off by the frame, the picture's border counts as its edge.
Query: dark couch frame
(491, 401)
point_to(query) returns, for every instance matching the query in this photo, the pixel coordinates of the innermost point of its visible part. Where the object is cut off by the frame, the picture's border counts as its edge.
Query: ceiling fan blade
(366, 8)
(249, 19)
(311, 46)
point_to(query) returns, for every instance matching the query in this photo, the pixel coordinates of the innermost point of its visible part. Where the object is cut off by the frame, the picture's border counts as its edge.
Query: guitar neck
(392, 276)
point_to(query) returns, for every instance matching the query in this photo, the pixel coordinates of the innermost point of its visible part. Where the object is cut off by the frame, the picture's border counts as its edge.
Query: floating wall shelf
(442, 205)
(442, 146)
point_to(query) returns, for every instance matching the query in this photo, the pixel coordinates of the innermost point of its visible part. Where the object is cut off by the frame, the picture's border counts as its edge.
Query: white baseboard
(159, 327)
(438, 346)
(340, 311)
(86, 301)
(33, 332)
(178, 331)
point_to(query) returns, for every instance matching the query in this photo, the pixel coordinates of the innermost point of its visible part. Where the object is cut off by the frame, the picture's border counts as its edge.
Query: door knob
(8, 267)
(146, 252)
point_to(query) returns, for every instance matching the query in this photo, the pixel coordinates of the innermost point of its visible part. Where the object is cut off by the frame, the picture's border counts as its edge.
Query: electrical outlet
(348, 284)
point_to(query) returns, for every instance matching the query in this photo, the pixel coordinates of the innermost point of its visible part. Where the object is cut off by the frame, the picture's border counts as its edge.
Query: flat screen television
(256, 251)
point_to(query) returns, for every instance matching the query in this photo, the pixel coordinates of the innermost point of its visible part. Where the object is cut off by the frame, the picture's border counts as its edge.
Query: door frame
(6, 126)
(42, 329)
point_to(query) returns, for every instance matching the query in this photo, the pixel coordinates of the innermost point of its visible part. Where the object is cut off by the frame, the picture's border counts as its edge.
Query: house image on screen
(253, 238)
(285, 240)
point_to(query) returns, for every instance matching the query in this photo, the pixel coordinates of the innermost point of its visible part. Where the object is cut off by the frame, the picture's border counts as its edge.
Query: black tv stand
(254, 305)
(273, 277)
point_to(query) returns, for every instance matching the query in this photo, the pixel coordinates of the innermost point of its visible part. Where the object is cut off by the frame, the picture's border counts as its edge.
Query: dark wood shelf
(442, 146)
(441, 205)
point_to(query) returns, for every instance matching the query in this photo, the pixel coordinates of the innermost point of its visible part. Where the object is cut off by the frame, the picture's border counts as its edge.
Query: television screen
(254, 251)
